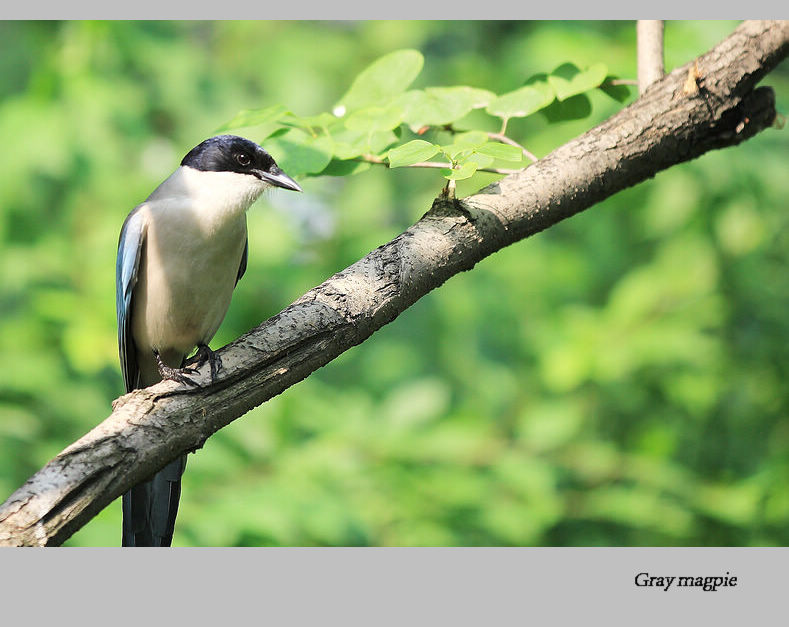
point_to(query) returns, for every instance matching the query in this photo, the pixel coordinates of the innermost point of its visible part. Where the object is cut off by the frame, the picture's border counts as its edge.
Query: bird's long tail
(149, 508)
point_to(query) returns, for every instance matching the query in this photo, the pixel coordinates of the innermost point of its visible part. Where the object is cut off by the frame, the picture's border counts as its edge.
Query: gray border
(405, 586)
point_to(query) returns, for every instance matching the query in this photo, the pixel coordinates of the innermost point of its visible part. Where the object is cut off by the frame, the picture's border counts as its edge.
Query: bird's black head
(230, 153)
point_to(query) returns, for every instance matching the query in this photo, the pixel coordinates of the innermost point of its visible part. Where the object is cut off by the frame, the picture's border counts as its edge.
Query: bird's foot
(205, 354)
(174, 374)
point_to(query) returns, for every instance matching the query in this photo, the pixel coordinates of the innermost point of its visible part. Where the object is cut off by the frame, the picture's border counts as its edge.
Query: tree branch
(649, 36)
(149, 427)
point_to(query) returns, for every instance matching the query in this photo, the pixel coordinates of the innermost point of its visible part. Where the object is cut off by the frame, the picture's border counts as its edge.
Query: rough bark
(710, 103)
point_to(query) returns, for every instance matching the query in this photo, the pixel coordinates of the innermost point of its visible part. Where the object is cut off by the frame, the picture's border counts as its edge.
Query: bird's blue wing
(130, 247)
(244, 256)
(150, 507)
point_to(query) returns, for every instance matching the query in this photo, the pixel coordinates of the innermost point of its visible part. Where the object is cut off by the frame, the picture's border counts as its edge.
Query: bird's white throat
(223, 194)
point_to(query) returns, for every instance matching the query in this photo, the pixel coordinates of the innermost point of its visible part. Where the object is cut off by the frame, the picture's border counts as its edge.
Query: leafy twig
(506, 140)
(432, 164)
(501, 137)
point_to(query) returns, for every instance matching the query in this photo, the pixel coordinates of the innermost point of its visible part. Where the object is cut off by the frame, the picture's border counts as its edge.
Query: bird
(180, 255)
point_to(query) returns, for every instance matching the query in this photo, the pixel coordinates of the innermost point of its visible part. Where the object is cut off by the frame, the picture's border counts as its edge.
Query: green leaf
(412, 152)
(348, 143)
(255, 117)
(453, 150)
(436, 106)
(540, 83)
(321, 121)
(297, 152)
(472, 138)
(537, 79)
(574, 108)
(372, 119)
(465, 171)
(473, 96)
(379, 141)
(620, 93)
(480, 160)
(567, 80)
(384, 79)
(505, 152)
(465, 142)
(522, 102)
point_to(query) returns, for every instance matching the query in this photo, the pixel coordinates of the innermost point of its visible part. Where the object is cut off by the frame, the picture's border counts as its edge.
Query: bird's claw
(174, 374)
(205, 354)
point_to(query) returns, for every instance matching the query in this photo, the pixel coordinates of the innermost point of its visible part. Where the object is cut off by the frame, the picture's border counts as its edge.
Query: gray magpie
(180, 255)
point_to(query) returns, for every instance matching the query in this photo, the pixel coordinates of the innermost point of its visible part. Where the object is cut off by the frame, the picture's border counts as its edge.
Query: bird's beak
(278, 178)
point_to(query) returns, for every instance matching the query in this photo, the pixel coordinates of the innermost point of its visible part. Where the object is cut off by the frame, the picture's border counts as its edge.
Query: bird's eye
(243, 158)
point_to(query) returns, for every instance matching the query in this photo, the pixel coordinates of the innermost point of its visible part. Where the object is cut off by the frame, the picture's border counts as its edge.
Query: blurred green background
(616, 380)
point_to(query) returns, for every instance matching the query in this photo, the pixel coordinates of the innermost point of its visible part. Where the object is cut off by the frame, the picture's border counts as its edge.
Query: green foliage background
(617, 380)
